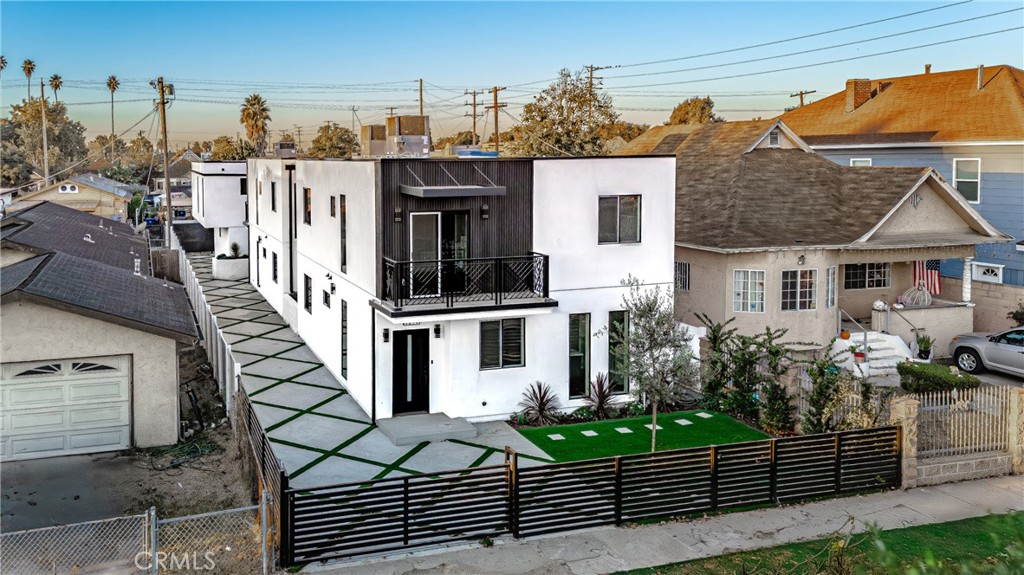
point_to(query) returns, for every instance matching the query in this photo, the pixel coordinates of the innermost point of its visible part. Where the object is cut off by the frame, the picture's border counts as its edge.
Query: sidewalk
(607, 550)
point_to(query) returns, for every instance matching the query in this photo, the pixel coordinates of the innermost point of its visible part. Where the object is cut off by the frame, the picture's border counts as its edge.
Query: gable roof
(95, 181)
(180, 168)
(49, 227)
(732, 197)
(102, 292)
(657, 140)
(935, 107)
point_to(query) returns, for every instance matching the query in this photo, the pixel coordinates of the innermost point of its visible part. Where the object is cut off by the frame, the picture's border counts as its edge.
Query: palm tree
(56, 83)
(112, 85)
(255, 117)
(3, 63)
(28, 67)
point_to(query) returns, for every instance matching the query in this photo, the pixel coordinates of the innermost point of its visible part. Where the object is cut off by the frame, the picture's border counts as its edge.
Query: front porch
(892, 297)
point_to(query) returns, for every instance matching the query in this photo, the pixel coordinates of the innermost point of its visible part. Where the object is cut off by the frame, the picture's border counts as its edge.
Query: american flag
(926, 272)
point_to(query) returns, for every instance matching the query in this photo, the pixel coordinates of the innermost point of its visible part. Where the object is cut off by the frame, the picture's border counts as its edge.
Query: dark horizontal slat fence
(406, 513)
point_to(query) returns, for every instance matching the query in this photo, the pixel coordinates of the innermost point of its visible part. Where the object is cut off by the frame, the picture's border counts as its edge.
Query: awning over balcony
(422, 191)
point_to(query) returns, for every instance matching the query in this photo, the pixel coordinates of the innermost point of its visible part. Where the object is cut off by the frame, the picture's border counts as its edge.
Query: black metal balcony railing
(484, 281)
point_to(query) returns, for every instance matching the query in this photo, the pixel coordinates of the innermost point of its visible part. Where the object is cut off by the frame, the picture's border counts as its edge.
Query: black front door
(411, 371)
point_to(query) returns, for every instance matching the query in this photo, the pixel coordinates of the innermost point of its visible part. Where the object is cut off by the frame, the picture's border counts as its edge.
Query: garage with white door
(67, 407)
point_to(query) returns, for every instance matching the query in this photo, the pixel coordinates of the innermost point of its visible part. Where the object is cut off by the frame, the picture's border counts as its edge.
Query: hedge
(922, 377)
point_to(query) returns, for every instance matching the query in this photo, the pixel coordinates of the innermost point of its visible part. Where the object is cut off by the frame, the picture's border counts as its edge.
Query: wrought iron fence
(465, 281)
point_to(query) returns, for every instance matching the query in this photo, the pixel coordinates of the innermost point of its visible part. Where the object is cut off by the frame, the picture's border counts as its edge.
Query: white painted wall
(224, 237)
(217, 201)
(45, 333)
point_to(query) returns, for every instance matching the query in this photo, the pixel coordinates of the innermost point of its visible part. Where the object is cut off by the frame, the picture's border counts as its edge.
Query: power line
(816, 64)
(810, 50)
(795, 38)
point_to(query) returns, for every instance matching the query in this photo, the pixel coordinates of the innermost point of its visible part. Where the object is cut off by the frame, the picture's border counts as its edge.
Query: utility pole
(390, 109)
(474, 93)
(496, 106)
(421, 96)
(162, 89)
(801, 94)
(590, 88)
(46, 149)
(298, 137)
(353, 110)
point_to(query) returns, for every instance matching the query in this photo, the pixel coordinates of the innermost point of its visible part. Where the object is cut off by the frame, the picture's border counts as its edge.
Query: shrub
(741, 401)
(824, 388)
(583, 415)
(235, 250)
(715, 367)
(1017, 315)
(599, 400)
(634, 409)
(923, 377)
(540, 405)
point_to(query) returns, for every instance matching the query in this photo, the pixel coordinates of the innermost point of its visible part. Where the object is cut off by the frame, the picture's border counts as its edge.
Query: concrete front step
(413, 429)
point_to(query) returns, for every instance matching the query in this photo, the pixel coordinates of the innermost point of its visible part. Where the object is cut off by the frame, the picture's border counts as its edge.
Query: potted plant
(924, 346)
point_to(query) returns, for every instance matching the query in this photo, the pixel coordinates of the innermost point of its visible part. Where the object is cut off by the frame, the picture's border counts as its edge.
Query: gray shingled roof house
(769, 233)
(90, 338)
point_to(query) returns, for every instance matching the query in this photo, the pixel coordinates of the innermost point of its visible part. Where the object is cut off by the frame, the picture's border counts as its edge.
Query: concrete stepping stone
(684, 422)
(623, 430)
(648, 426)
(703, 415)
(556, 437)
(589, 433)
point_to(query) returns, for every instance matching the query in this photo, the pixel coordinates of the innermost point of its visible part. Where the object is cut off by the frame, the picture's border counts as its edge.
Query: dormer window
(773, 139)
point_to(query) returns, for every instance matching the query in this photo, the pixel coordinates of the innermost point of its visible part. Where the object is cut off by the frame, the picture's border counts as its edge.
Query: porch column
(966, 296)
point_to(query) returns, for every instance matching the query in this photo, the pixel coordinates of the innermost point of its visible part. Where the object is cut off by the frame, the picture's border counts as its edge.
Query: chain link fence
(230, 542)
(107, 546)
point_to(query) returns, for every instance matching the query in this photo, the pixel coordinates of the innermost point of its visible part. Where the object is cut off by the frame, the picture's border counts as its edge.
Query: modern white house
(450, 286)
(219, 202)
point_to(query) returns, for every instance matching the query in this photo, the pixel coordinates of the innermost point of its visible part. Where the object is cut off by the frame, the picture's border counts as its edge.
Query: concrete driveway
(62, 490)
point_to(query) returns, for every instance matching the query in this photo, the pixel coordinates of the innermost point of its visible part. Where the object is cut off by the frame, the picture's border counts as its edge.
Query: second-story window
(273, 266)
(618, 219)
(343, 223)
(273, 196)
(307, 205)
(967, 178)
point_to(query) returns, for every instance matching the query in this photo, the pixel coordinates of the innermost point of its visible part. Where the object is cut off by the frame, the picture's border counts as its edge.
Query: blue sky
(305, 58)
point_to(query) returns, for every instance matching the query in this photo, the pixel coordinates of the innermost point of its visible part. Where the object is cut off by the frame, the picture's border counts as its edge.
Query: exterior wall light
(485, 211)
(437, 330)
(398, 215)
(800, 261)
(387, 335)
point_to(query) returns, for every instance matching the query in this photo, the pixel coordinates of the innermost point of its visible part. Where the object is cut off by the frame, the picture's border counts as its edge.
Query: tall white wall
(217, 201)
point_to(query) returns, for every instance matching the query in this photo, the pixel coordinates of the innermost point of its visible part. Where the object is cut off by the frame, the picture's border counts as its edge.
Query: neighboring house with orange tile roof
(967, 124)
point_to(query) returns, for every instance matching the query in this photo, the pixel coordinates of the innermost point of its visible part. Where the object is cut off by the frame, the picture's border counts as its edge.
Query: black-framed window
(799, 290)
(264, 253)
(682, 276)
(307, 206)
(344, 339)
(867, 276)
(243, 185)
(259, 194)
(343, 223)
(307, 293)
(334, 207)
(273, 266)
(503, 343)
(273, 196)
(618, 219)
(618, 331)
(579, 354)
(327, 299)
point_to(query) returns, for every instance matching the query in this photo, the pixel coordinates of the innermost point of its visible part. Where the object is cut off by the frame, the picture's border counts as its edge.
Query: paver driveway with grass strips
(627, 436)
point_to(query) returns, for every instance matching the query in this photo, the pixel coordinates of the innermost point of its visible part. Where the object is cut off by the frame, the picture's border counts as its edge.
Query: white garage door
(64, 407)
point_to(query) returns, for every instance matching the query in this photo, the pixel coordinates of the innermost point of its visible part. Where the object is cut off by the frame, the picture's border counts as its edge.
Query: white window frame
(831, 287)
(854, 165)
(885, 268)
(682, 276)
(745, 296)
(618, 220)
(812, 303)
(978, 270)
(776, 136)
(957, 179)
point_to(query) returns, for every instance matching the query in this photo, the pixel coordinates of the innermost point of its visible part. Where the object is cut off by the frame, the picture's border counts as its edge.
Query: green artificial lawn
(716, 430)
(954, 543)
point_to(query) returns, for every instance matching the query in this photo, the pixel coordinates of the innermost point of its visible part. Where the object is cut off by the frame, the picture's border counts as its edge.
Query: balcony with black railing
(458, 285)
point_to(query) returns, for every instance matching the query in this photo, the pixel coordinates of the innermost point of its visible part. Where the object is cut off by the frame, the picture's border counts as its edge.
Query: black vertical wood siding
(507, 232)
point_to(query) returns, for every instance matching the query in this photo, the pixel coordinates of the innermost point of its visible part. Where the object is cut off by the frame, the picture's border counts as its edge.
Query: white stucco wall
(44, 333)
(224, 237)
(217, 201)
